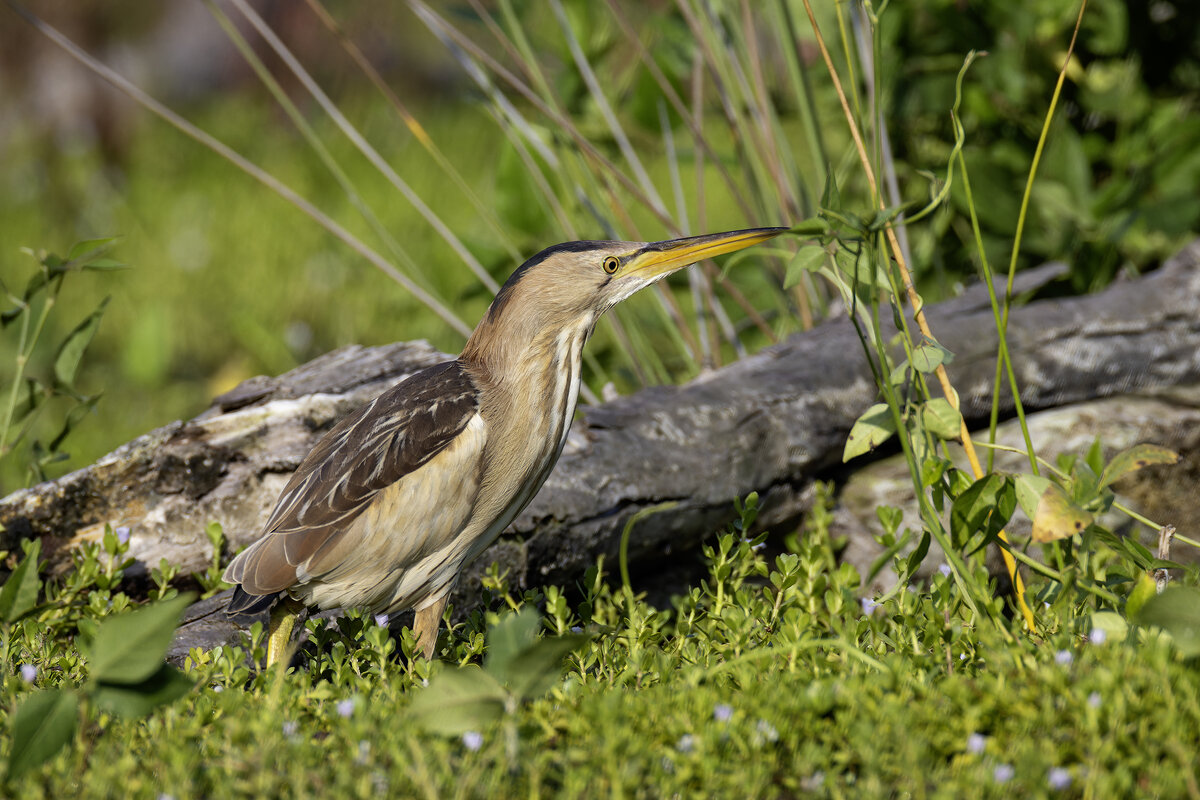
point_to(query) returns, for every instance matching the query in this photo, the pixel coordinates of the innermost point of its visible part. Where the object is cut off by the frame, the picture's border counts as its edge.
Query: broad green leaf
(42, 724)
(1133, 459)
(139, 699)
(807, 259)
(459, 700)
(507, 639)
(1113, 624)
(88, 246)
(942, 419)
(1177, 611)
(873, 428)
(1057, 517)
(1142, 591)
(537, 669)
(19, 593)
(129, 648)
(983, 508)
(1030, 489)
(70, 352)
(930, 356)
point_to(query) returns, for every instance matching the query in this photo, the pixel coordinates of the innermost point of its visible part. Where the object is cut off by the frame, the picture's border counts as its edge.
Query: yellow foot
(283, 623)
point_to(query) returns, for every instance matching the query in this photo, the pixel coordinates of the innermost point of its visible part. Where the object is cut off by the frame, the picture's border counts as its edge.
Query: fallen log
(769, 423)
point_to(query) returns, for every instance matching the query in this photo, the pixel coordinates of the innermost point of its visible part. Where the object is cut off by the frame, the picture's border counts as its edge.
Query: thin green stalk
(363, 146)
(239, 161)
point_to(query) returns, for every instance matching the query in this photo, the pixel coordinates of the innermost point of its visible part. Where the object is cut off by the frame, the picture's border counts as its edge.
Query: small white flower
(686, 743)
(346, 707)
(165, 796)
(364, 752)
(1003, 773)
(976, 742)
(1098, 636)
(1094, 699)
(29, 673)
(1058, 778)
(472, 740)
(1063, 657)
(767, 731)
(218, 689)
(122, 534)
(944, 569)
(381, 620)
(723, 712)
(813, 782)
(290, 727)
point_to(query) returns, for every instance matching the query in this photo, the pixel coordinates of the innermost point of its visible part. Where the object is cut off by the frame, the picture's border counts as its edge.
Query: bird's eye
(611, 263)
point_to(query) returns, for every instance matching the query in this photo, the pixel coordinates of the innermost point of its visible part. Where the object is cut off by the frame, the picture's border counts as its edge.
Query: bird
(393, 501)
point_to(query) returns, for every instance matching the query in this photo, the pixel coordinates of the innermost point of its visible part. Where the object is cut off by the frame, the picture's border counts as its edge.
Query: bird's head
(568, 286)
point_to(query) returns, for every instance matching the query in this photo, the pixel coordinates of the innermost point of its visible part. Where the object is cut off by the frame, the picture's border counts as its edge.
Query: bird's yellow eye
(611, 263)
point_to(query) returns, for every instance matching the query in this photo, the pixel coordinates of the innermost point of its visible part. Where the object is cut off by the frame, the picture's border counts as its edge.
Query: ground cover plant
(772, 676)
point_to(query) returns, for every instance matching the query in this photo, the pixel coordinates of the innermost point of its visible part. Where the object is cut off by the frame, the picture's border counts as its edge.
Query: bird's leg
(426, 625)
(283, 622)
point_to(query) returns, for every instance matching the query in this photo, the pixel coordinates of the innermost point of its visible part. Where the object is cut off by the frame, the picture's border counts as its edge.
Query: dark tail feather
(250, 605)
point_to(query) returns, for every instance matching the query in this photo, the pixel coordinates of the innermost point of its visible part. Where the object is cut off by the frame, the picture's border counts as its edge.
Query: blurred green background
(226, 280)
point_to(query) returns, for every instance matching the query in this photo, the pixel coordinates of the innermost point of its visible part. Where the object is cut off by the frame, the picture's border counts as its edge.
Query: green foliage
(26, 397)
(124, 656)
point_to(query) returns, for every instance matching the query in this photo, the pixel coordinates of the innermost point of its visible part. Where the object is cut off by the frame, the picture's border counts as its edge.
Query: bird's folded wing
(373, 448)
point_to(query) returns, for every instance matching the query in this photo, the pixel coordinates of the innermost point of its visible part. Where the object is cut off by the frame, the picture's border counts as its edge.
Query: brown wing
(368, 451)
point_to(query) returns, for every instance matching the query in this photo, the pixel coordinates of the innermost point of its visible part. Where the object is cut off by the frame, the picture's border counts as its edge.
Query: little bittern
(395, 499)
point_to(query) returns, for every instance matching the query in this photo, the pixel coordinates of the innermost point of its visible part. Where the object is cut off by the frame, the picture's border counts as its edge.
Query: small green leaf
(873, 428)
(537, 669)
(459, 700)
(88, 246)
(43, 723)
(1030, 489)
(1142, 591)
(930, 356)
(137, 700)
(813, 226)
(1176, 611)
(129, 648)
(70, 352)
(19, 593)
(983, 508)
(1133, 459)
(1057, 517)
(1113, 624)
(105, 265)
(942, 419)
(507, 639)
(807, 259)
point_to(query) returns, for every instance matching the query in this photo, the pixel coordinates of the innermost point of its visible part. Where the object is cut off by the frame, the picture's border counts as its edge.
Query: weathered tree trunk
(768, 423)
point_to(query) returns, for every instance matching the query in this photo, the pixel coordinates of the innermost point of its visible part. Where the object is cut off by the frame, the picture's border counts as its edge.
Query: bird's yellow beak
(659, 258)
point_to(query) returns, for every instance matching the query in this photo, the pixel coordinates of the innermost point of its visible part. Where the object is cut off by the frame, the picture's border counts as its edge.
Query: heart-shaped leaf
(1057, 517)
(129, 648)
(873, 428)
(139, 699)
(1134, 458)
(459, 700)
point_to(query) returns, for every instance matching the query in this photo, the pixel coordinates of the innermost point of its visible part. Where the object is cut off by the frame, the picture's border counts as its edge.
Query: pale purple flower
(1058, 778)
(686, 743)
(472, 740)
(1094, 699)
(1063, 657)
(1003, 773)
(944, 569)
(381, 620)
(1098, 636)
(976, 742)
(290, 727)
(869, 605)
(346, 707)
(165, 796)
(576, 629)
(29, 673)
(122, 534)
(723, 712)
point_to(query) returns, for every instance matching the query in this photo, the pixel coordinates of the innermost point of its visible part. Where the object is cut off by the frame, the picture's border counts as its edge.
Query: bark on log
(768, 423)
